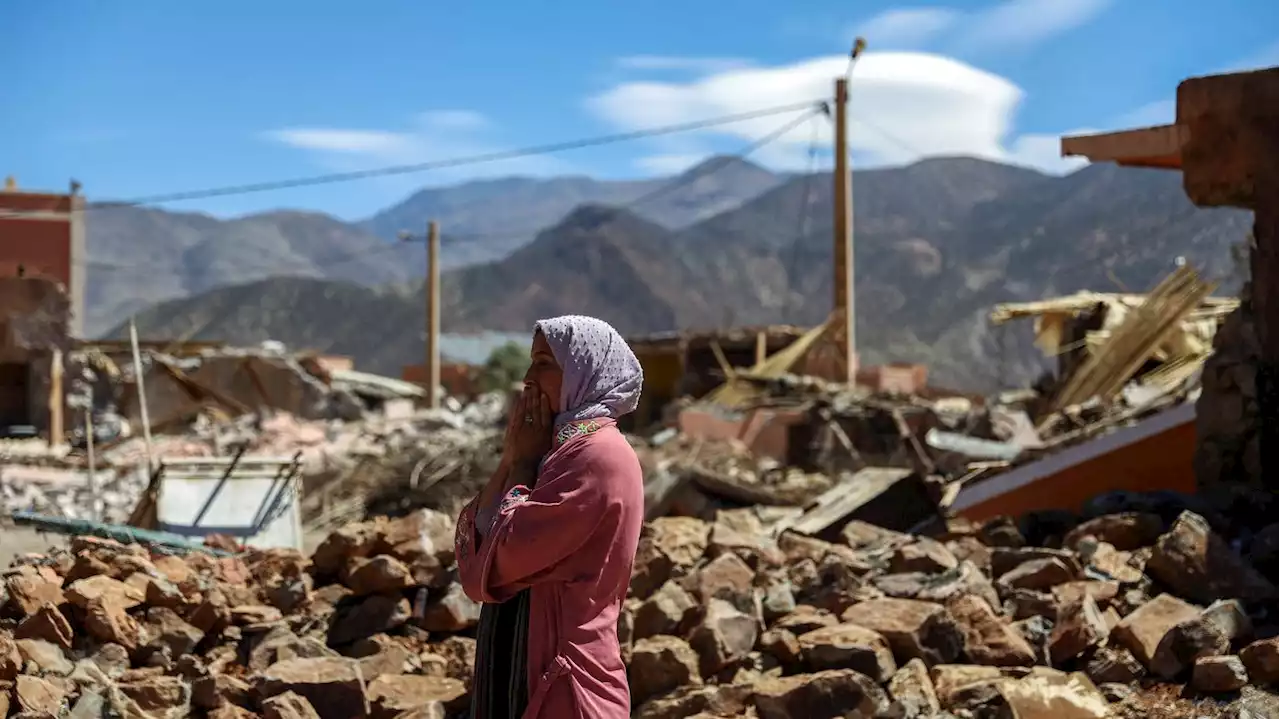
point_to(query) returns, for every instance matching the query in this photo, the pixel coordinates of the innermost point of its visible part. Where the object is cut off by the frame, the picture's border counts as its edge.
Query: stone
(107, 621)
(744, 538)
(806, 618)
(1037, 574)
(1102, 593)
(797, 546)
(961, 686)
(723, 636)
(923, 555)
(27, 592)
(111, 659)
(912, 689)
(160, 592)
(280, 643)
(1114, 692)
(1113, 665)
(452, 612)
(1262, 659)
(1027, 603)
(333, 685)
(48, 624)
(38, 696)
(382, 654)
(626, 629)
(1006, 559)
(782, 645)
(864, 536)
(1050, 694)
(1036, 631)
(989, 638)
(46, 656)
(1186, 642)
(1219, 675)
(392, 695)
(848, 646)
(725, 577)
(171, 631)
(348, 542)
(966, 578)
(248, 614)
(288, 706)
(159, 696)
(211, 692)
(365, 617)
(1126, 531)
(831, 693)
(1196, 563)
(669, 547)
(664, 612)
(11, 658)
(688, 701)
(1144, 628)
(1120, 566)
(970, 549)
(103, 589)
(1079, 626)
(378, 575)
(460, 655)
(914, 629)
(661, 664)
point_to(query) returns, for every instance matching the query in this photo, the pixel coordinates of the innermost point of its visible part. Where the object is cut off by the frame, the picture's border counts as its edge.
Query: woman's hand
(528, 435)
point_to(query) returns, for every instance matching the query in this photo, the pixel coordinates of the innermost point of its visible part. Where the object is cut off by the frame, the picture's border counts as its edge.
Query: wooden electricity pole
(843, 207)
(433, 313)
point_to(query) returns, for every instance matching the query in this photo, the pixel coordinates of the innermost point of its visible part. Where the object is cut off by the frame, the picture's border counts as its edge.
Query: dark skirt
(500, 688)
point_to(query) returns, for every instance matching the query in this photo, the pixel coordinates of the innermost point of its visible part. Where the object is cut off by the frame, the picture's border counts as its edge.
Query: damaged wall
(35, 315)
(1229, 411)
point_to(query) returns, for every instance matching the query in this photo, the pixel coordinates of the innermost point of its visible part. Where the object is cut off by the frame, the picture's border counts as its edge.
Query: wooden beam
(1159, 147)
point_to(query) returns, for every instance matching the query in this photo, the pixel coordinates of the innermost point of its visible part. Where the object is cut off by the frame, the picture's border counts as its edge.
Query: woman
(548, 544)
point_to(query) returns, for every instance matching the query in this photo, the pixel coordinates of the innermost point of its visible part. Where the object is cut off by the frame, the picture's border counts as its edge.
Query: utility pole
(845, 297)
(843, 207)
(431, 291)
(433, 313)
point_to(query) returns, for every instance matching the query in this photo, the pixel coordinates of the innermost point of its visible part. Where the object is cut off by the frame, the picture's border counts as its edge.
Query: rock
(160, 697)
(805, 619)
(688, 701)
(1143, 629)
(664, 612)
(1218, 675)
(669, 547)
(1079, 626)
(1125, 531)
(961, 686)
(103, 589)
(988, 638)
(863, 536)
(111, 659)
(332, 685)
(743, 536)
(797, 546)
(48, 624)
(923, 555)
(966, 578)
(779, 598)
(724, 635)
(247, 614)
(782, 645)
(1199, 565)
(725, 577)
(914, 629)
(1026, 603)
(626, 630)
(1036, 631)
(11, 658)
(848, 646)
(453, 612)
(27, 592)
(1037, 574)
(160, 592)
(1102, 593)
(170, 631)
(392, 695)
(107, 621)
(1120, 566)
(46, 656)
(1262, 659)
(832, 693)
(368, 616)
(1115, 692)
(1050, 694)
(378, 575)
(912, 689)
(213, 691)
(661, 664)
(288, 706)
(1186, 642)
(1006, 559)
(1252, 704)
(1113, 665)
(38, 696)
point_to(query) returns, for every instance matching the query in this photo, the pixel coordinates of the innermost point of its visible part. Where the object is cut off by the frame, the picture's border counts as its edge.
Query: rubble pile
(1126, 614)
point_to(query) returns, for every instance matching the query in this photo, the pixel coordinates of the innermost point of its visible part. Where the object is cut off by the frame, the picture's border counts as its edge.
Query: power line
(707, 170)
(481, 158)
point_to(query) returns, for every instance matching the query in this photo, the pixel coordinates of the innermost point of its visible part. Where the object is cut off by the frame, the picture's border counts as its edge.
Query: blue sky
(141, 97)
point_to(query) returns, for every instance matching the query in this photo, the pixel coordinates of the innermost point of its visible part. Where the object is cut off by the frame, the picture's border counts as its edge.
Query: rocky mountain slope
(139, 256)
(938, 243)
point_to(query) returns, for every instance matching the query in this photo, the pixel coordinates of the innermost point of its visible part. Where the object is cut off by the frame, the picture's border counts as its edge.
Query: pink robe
(572, 539)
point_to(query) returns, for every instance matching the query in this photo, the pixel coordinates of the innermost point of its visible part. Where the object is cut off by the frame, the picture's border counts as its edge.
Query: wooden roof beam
(1158, 147)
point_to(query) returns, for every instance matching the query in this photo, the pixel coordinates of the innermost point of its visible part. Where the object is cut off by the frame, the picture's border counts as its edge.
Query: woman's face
(544, 372)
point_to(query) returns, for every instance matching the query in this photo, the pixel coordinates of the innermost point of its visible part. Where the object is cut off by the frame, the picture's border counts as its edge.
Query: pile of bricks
(1116, 614)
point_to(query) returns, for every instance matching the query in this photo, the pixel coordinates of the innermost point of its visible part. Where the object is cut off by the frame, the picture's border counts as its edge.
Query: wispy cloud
(678, 63)
(906, 28)
(1022, 23)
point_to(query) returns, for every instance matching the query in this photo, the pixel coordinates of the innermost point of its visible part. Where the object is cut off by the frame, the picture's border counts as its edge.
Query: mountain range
(937, 243)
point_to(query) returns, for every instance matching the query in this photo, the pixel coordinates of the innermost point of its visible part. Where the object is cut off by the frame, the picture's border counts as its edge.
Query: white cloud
(433, 135)
(1020, 23)
(903, 106)
(672, 62)
(906, 28)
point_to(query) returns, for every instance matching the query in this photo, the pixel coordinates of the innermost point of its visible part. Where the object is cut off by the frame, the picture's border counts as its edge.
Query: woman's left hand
(529, 435)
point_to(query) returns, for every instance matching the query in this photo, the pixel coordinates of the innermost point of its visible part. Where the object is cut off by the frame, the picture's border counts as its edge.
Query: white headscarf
(602, 377)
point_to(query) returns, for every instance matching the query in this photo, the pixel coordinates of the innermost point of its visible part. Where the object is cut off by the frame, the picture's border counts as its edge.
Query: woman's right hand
(528, 433)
